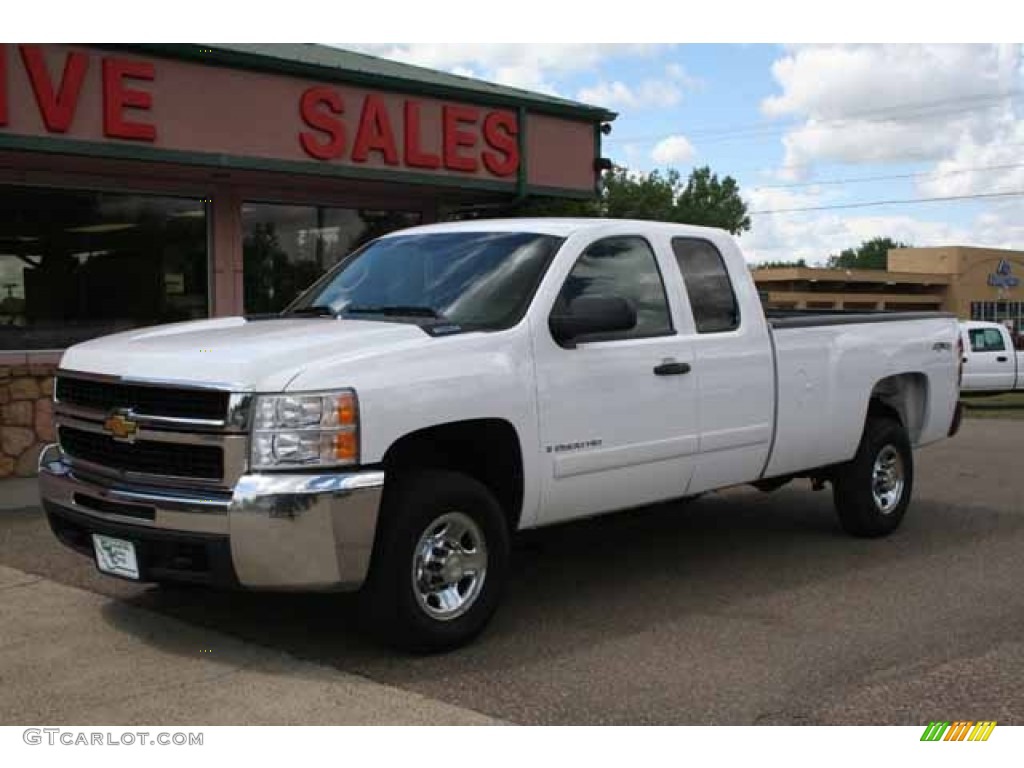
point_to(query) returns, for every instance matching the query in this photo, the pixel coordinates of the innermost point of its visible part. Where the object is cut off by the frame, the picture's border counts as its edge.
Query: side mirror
(589, 315)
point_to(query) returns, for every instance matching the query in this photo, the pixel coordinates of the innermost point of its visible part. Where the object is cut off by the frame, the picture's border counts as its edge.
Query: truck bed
(805, 318)
(827, 365)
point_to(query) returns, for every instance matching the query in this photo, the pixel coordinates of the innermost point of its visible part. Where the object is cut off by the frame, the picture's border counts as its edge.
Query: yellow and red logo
(121, 427)
(961, 730)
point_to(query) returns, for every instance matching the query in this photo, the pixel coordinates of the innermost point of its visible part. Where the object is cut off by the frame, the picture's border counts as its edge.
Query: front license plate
(116, 556)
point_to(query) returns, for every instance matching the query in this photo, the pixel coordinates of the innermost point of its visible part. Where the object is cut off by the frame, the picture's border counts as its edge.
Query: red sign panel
(89, 94)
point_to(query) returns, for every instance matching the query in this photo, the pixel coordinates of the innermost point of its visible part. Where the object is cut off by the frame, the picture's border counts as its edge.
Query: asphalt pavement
(737, 608)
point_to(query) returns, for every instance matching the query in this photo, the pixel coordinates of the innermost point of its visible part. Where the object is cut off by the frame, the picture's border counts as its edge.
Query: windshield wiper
(317, 310)
(398, 310)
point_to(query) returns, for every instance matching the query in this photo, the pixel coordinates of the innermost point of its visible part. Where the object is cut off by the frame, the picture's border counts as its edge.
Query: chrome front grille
(152, 457)
(152, 433)
(143, 400)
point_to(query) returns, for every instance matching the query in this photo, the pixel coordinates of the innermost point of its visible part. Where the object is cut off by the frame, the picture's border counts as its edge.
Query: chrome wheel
(449, 566)
(888, 479)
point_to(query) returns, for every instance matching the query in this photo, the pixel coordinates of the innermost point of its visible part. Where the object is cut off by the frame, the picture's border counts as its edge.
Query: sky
(800, 126)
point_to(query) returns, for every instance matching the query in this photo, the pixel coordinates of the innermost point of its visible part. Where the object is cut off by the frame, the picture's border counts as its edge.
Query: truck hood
(262, 355)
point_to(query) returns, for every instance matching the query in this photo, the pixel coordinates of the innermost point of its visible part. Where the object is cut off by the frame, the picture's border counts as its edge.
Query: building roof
(818, 274)
(329, 63)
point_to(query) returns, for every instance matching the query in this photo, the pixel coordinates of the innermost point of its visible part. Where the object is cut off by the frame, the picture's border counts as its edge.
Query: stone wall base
(26, 416)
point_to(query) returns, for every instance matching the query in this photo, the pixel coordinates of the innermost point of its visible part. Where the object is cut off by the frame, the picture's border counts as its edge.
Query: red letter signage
(458, 138)
(57, 110)
(116, 98)
(414, 154)
(333, 143)
(375, 134)
(500, 131)
(455, 138)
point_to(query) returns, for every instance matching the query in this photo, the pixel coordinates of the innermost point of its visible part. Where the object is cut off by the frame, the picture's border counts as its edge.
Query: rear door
(991, 364)
(733, 366)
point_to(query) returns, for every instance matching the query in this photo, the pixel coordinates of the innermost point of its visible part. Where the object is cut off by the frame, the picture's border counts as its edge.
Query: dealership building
(973, 283)
(157, 183)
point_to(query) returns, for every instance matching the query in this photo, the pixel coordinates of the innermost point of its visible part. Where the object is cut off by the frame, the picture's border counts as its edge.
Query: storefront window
(1009, 313)
(76, 264)
(287, 247)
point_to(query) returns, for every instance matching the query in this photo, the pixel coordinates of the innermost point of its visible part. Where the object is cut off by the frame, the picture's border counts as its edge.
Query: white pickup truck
(991, 364)
(446, 386)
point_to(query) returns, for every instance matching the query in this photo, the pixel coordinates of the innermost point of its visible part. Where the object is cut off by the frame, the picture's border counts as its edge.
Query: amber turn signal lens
(346, 447)
(346, 410)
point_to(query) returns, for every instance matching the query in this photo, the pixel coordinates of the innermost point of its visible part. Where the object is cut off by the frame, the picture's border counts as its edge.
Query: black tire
(853, 485)
(398, 613)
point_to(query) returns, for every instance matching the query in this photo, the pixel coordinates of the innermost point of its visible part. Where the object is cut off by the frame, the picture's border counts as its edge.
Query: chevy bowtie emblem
(121, 427)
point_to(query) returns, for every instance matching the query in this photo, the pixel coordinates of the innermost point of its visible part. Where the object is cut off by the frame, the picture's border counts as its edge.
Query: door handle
(671, 368)
(1001, 359)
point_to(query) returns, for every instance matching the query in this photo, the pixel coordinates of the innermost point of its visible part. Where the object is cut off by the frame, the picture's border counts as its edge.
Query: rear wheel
(440, 563)
(872, 491)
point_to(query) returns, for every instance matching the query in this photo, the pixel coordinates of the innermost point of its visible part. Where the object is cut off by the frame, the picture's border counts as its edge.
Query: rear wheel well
(903, 397)
(485, 449)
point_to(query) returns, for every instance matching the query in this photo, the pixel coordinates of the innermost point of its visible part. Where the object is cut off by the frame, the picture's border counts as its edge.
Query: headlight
(300, 430)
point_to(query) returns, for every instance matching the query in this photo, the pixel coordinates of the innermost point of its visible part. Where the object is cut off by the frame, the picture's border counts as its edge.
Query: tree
(712, 203)
(871, 254)
(555, 206)
(657, 196)
(780, 264)
(649, 196)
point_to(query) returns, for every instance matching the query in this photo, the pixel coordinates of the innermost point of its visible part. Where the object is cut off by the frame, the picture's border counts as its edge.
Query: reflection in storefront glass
(287, 247)
(76, 264)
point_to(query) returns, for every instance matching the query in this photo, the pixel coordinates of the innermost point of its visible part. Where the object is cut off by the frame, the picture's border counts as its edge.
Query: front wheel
(872, 491)
(440, 563)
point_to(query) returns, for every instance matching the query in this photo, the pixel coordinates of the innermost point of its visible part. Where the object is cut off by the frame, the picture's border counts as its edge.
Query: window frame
(984, 333)
(689, 296)
(601, 338)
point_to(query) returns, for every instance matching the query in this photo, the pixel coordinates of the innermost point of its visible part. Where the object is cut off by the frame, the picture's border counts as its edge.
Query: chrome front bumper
(286, 531)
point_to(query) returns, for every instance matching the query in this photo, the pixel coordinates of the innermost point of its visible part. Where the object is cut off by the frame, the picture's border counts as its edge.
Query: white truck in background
(448, 385)
(991, 363)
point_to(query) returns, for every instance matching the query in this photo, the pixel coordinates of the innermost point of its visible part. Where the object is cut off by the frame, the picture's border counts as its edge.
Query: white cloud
(1000, 226)
(678, 74)
(814, 235)
(618, 95)
(531, 66)
(880, 103)
(956, 107)
(980, 168)
(673, 150)
(660, 92)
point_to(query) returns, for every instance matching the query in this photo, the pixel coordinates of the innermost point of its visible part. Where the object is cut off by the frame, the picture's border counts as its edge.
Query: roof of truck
(560, 227)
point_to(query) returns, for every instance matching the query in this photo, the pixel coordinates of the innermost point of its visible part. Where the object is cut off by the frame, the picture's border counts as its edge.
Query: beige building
(973, 283)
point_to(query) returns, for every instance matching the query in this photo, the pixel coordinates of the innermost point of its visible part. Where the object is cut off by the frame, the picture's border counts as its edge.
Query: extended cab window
(986, 340)
(626, 267)
(707, 284)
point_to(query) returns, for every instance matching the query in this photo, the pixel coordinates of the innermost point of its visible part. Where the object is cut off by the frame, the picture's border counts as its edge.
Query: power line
(904, 157)
(873, 203)
(910, 156)
(769, 127)
(891, 177)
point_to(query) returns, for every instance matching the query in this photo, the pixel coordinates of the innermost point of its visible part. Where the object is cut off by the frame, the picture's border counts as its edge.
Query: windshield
(473, 279)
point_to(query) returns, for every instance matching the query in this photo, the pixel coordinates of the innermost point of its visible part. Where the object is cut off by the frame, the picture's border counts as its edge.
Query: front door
(618, 419)
(990, 363)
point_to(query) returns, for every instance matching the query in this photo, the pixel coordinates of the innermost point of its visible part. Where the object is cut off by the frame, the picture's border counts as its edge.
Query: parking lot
(737, 608)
